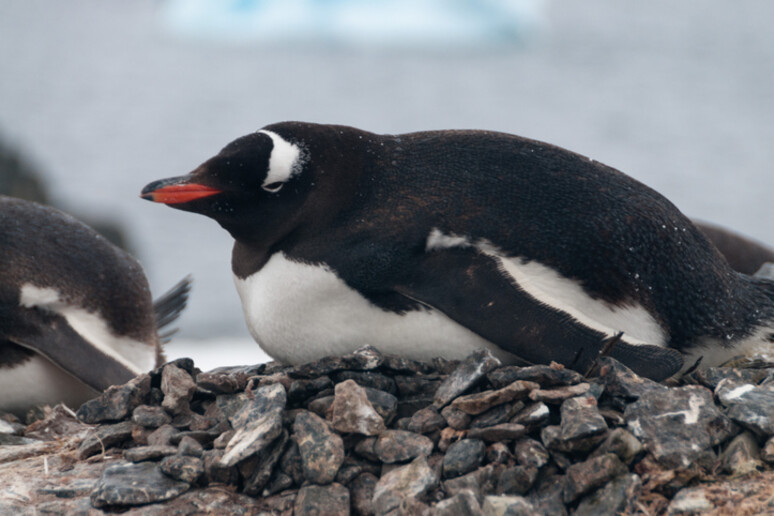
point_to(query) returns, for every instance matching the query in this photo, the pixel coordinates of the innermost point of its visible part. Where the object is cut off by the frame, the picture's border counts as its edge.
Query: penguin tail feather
(168, 307)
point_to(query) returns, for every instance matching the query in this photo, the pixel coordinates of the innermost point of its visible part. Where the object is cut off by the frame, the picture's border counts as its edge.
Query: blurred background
(100, 97)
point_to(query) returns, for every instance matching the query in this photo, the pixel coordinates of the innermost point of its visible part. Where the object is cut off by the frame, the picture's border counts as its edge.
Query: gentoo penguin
(76, 314)
(434, 243)
(741, 253)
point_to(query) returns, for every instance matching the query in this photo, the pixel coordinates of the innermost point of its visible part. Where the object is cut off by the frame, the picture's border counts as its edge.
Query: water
(105, 99)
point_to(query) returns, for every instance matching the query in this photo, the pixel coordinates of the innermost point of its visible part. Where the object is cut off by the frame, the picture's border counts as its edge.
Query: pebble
(330, 500)
(590, 474)
(463, 457)
(117, 402)
(401, 446)
(480, 402)
(321, 450)
(351, 411)
(182, 467)
(467, 374)
(178, 388)
(135, 484)
(143, 453)
(408, 482)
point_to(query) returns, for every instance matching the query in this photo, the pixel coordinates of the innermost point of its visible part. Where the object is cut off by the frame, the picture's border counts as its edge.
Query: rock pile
(368, 433)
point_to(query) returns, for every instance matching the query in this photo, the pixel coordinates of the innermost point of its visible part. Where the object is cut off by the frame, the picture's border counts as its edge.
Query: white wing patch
(285, 161)
(137, 356)
(547, 286)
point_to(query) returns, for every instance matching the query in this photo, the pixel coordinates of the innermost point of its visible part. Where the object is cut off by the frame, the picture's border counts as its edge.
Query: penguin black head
(258, 187)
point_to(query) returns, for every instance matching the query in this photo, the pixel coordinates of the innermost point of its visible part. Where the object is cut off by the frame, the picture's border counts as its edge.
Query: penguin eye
(273, 187)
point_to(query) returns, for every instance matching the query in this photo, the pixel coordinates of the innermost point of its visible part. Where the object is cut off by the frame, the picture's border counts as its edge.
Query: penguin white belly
(299, 312)
(39, 382)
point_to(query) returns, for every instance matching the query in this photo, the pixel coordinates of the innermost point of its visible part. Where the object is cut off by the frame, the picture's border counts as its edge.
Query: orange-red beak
(176, 191)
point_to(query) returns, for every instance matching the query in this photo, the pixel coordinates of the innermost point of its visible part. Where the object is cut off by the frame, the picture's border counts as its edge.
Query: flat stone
(190, 446)
(150, 417)
(209, 500)
(616, 497)
(143, 453)
(413, 385)
(678, 425)
(529, 452)
(385, 404)
(215, 472)
(257, 470)
(497, 415)
(398, 364)
(400, 446)
(463, 457)
(370, 379)
(178, 388)
(321, 450)
(117, 402)
(426, 420)
(710, 377)
(622, 382)
(162, 436)
(545, 375)
(361, 493)
(464, 503)
(303, 389)
(547, 499)
(582, 477)
(253, 438)
(455, 418)
(532, 415)
(482, 480)
(748, 405)
(691, 500)
(507, 505)
(501, 432)
(468, 373)
(353, 413)
(266, 399)
(580, 421)
(104, 437)
(182, 467)
(742, 455)
(135, 484)
(480, 402)
(363, 359)
(223, 382)
(517, 480)
(558, 395)
(411, 481)
(621, 442)
(331, 500)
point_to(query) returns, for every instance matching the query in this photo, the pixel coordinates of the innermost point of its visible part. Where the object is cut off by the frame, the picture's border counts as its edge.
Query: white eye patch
(285, 161)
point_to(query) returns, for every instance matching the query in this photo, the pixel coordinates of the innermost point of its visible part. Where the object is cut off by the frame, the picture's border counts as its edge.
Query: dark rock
(742, 456)
(617, 497)
(150, 417)
(279, 482)
(426, 420)
(712, 376)
(548, 497)
(468, 373)
(370, 379)
(501, 432)
(400, 446)
(135, 484)
(425, 385)
(301, 390)
(463, 457)
(355, 466)
(182, 467)
(162, 436)
(408, 482)
(178, 388)
(455, 418)
(516, 480)
(361, 492)
(581, 421)
(143, 453)
(211, 500)
(315, 500)
(261, 466)
(321, 406)
(56, 423)
(623, 382)
(190, 446)
(547, 376)
(767, 453)
(480, 402)
(365, 449)
(406, 407)
(225, 382)
(677, 425)
(532, 415)
(622, 443)
(464, 503)
(529, 452)
(353, 413)
(748, 405)
(321, 450)
(483, 480)
(397, 364)
(497, 415)
(365, 358)
(508, 505)
(117, 402)
(584, 476)
(217, 473)
(228, 405)
(290, 463)
(559, 394)
(104, 437)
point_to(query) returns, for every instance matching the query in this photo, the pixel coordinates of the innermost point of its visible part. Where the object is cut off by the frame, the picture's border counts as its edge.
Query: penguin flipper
(470, 288)
(52, 337)
(168, 306)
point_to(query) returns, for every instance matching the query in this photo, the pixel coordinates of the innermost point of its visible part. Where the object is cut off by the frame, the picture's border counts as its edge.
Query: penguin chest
(299, 312)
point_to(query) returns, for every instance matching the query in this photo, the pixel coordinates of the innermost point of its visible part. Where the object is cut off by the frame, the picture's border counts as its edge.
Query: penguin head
(256, 186)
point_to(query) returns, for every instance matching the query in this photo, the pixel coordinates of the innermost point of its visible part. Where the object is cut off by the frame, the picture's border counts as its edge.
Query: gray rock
(321, 450)
(712, 376)
(507, 505)
(223, 382)
(190, 446)
(467, 374)
(622, 382)
(748, 405)
(464, 503)
(103, 437)
(411, 481)
(182, 467)
(135, 484)
(266, 399)
(501, 432)
(497, 415)
(385, 404)
(302, 390)
(361, 493)
(370, 379)
(455, 418)
(547, 376)
(117, 402)
(584, 476)
(463, 457)
(363, 359)
(326, 500)
(532, 415)
(621, 442)
(582, 425)
(400, 446)
(483, 480)
(529, 452)
(691, 501)
(559, 394)
(612, 499)
(353, 413)
(212, 500)
(257, 470)
(143, 453)
(517, 480)
(426, 420)
(742, 455)
(178, 388)
(480, 402)
(677, 425)
(253, 438)
(162, 436)
(150, 417)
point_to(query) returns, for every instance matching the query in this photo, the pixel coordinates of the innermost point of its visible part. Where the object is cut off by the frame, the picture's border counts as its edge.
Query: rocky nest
(368, 433)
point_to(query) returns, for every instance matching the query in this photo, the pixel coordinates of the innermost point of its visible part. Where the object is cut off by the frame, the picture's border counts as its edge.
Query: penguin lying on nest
(435, 243)
(76, 313)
